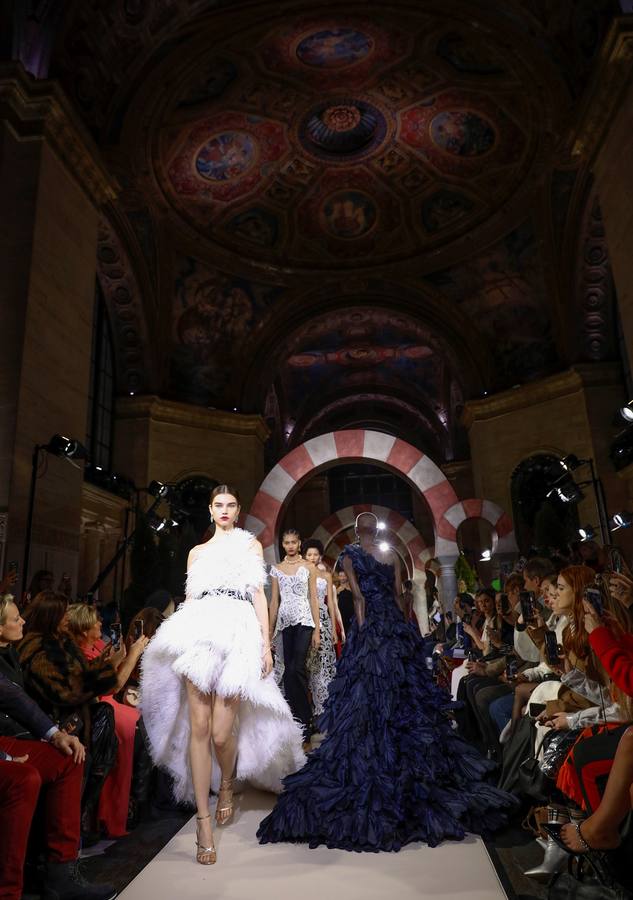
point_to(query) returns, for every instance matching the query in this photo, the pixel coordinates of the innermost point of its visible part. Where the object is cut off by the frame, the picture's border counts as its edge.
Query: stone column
(448, 581)
(51, 188)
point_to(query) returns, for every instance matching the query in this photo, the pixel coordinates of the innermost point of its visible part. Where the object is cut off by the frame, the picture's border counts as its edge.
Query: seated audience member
(56, 673)
(600, 831)
(37, 759)
(84, 627)
(535, 574)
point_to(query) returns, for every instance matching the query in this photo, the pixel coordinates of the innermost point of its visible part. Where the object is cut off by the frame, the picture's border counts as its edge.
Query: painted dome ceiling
(326, 141)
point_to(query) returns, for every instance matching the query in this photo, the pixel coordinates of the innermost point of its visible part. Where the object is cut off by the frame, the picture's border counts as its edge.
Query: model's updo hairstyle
(312, 544)
(225, 489)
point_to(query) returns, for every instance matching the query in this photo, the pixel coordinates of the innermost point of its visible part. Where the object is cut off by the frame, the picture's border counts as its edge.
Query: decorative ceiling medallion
(334, 48)
(348, 214)
(227, 156)
(462, 132)
(341, 129)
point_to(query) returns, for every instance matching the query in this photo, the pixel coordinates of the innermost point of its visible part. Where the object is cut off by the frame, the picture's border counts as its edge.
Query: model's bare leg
(225, 743)
(600, 830)
(200, 716)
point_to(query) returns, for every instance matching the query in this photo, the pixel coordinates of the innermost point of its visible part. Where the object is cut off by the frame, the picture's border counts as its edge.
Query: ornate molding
(39, 110)
(158, 410)
(561, 385)
(611, 78)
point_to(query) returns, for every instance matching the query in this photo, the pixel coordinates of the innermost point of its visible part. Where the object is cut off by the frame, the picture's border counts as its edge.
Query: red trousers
(20, 785)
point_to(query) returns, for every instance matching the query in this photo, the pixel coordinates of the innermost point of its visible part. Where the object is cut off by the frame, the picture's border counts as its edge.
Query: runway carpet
(453, 871)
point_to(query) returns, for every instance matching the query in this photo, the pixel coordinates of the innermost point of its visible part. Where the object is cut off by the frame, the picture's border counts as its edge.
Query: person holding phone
(84, 625)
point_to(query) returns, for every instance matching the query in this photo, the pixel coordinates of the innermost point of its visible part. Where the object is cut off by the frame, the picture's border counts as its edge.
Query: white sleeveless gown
(215, 641)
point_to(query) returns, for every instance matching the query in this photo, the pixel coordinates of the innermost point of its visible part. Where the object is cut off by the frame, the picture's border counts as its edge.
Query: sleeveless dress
(294, 609)
(322, 662)
(391, 769)
(214, 640)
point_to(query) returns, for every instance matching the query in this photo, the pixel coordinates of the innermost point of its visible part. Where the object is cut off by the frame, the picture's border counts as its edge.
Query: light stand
(67, 448)
(570, 464)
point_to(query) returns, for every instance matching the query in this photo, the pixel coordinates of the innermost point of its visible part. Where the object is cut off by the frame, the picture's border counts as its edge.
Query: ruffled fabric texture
(215, 641)
(391, 769)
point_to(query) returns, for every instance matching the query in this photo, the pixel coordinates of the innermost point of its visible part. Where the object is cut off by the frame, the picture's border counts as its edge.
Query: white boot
(554, 860)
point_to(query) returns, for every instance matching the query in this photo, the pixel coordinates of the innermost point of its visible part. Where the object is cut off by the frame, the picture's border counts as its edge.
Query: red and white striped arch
(331, 533)
(358, 445)
(503, 538)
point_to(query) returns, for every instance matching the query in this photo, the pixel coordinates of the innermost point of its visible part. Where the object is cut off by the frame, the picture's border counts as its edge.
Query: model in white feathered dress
(206, 679)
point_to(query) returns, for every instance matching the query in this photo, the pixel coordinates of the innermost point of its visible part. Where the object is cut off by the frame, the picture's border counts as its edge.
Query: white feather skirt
(215, 642)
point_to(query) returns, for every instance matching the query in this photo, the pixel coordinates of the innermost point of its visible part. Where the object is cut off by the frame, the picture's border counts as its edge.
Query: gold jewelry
(293, 562)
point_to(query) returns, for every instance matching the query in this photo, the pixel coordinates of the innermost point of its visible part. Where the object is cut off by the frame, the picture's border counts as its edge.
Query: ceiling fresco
(348, 141)
(340, 213)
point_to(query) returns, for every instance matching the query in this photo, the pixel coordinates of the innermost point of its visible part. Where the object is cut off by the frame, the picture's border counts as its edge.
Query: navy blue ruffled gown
(391, 769)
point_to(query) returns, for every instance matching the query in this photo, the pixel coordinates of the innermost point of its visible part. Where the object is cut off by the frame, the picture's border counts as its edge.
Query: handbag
(537, 776)
(585, 879)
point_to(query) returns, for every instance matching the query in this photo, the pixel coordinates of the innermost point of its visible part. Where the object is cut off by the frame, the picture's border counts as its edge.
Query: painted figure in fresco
(209, 663)
(462, 133)
(333, 48)
(226, 156)
(349, 215)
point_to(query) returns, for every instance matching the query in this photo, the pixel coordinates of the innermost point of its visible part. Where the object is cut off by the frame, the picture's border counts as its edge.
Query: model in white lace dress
(322, 662)
(295, 626)
(207, 687)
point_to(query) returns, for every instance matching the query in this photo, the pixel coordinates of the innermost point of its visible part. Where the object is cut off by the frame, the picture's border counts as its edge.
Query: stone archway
(357, 445)
(417, 550)
(504, 540)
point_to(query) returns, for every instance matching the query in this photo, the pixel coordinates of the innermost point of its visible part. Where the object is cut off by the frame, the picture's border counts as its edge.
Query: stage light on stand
(486, 556)
(381, 526)
(587, 532)
(159, 490)
(566, 490)
(625, 414)
(383, 546)
(158, 525)
(68, 448)
(621, 520)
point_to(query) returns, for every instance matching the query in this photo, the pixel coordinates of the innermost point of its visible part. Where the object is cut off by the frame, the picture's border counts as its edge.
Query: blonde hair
(5, 600)
(80, 618)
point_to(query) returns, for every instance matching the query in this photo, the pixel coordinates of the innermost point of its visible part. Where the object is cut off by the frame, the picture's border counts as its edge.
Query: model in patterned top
(322, 662)
(294, 625)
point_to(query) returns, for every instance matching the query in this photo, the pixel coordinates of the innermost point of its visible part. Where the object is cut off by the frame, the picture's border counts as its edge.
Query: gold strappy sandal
(206, 856)
(224, 809)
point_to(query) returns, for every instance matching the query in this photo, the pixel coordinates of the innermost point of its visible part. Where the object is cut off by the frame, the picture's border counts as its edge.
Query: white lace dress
(294, 609)
(322, 662)
(214, 640)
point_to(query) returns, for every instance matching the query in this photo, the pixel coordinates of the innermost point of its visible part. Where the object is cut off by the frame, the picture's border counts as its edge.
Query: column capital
(39, 110)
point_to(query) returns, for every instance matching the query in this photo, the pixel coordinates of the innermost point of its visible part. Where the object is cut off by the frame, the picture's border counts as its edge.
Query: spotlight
(621, 451)
(159, 525)
(566, 490)
(571, 462)
(383, 546)
(69, 448)
(381, 526)
(486, 556)
(621, 520)
(587, 532)
(625, 413)
(158, 489)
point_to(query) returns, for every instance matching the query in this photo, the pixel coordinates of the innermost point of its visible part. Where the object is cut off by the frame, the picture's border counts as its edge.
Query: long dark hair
(45, 612)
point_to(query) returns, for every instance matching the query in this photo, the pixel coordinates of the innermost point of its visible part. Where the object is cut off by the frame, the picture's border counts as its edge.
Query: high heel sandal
(203, 852)
(224, 809)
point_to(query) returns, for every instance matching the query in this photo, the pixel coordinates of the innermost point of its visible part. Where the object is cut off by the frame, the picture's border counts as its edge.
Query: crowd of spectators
(74, 763)
(543, 672)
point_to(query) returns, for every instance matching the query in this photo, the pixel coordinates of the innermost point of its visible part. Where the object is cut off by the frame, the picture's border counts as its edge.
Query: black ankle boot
(64, 881)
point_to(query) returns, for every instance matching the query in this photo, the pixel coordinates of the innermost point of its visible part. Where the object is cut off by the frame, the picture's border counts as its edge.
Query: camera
(138, 629)
(115, 631)
(527, 601)
(512, 667)
(593, 595)
(467, 618)
(552, 650)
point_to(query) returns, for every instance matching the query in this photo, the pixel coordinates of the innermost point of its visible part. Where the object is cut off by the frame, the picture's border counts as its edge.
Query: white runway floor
(247, 871)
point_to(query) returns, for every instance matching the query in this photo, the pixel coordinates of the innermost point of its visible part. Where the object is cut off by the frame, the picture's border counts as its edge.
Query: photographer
(36, 757)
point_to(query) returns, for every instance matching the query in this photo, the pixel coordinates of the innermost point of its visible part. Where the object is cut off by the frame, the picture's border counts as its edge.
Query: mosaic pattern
(334, 48)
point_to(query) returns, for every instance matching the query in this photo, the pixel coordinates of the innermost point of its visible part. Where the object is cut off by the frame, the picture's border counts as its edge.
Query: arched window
(101, 397)
(542, 522)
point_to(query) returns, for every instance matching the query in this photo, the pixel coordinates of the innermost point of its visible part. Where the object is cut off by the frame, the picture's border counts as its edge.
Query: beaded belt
(227, 592)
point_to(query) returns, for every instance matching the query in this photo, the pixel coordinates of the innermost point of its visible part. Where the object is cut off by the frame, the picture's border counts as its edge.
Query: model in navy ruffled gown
(391, 769)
